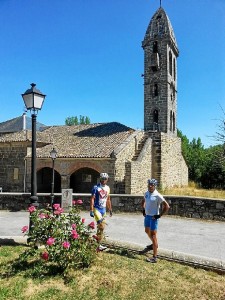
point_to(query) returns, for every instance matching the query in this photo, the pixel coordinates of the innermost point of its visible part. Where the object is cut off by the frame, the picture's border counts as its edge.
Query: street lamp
(53, 154)
(33, 99)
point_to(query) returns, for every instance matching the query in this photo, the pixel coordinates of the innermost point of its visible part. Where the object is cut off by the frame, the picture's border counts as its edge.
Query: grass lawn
(114, 275)
(193, 190)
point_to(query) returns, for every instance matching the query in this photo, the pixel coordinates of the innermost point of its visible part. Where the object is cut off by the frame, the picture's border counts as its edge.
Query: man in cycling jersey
(100, 200)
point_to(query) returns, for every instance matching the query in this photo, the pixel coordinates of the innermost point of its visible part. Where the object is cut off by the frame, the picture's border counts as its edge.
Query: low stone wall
(184, 206)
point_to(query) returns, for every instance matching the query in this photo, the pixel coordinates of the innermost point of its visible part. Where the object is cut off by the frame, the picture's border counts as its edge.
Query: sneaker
(102, 248)
(152, 259)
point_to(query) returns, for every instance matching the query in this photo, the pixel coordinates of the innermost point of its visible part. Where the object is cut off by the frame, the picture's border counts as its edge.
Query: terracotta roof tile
(79, 141)
(85, 141)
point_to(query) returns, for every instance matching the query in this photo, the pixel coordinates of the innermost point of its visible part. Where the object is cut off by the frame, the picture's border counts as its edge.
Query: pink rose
(58, 211)
(66, 245)
(79, 202)
(24, 229)
(83, 220)
(74, 226)
(56, 206)
(50, 241)
(92, 225)
(45, 255)
(31, 209)
(74, 202)
(74, 234)
(42, 216)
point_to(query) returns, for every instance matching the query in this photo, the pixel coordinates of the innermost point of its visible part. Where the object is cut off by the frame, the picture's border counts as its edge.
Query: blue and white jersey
(152, 202)
(101, 194)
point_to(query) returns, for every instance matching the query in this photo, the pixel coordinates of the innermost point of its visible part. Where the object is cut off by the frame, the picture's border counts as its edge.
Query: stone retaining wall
(184, 206)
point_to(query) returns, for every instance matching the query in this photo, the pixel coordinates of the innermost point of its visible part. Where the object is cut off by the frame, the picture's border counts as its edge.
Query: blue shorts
(151, 223)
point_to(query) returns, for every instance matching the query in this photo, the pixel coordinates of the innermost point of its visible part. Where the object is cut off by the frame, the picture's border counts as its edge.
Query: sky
(86, 56)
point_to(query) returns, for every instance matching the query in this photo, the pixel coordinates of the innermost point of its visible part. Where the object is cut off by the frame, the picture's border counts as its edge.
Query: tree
(197, 162)
(220, 134)
(205, 166)
(214, 175)
(185, 147)
(74, 120)
(216, 154)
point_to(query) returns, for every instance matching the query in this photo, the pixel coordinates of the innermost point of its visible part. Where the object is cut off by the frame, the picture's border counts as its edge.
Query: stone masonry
(190, 207)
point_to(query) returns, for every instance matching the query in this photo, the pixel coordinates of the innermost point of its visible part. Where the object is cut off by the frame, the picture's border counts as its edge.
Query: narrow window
(155, 120)
(174, 69)
(170, 63)
(155, 116)
(171, 92)
(171, 120)
(155, 91)
(155, 47)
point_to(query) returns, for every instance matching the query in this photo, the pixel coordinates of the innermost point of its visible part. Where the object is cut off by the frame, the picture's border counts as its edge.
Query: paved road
(204, 239)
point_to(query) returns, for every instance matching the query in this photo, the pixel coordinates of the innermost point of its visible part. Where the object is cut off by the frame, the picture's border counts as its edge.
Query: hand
(143, 212)
(156, 217)
(92, 214)
(110, 213)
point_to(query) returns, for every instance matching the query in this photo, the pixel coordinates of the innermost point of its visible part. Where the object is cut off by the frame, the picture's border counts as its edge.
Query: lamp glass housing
(53, 153)
(33, 98)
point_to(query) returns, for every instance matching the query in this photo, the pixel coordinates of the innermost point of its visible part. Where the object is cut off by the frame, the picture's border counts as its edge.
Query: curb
(179, 257)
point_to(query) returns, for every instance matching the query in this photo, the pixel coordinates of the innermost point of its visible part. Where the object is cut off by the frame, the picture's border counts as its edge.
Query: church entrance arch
(83, 180)
(44, 181)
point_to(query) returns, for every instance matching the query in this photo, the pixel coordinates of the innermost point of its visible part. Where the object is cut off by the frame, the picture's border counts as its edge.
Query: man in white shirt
(151, 205)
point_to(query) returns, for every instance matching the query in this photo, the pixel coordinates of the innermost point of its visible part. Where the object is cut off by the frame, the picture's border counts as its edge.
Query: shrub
(57, 239)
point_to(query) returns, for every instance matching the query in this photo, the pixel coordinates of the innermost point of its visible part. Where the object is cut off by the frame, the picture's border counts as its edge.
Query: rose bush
(60, 239)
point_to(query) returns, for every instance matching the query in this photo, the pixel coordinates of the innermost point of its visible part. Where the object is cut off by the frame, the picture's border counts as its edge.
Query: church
(129, 156)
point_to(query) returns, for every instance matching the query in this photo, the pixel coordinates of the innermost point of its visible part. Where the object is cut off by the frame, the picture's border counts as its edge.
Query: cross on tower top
(160, 3)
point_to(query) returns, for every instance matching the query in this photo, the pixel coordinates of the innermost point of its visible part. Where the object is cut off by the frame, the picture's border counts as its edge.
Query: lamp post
(33, 99)
(53, 154)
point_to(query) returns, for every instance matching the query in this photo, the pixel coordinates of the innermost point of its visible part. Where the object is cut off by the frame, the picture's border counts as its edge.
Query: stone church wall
(12, 166)
(138, 172)
(174, 170)
(124, 153)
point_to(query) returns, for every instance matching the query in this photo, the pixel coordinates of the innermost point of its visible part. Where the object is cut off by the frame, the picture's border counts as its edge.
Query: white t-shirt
(152, 202)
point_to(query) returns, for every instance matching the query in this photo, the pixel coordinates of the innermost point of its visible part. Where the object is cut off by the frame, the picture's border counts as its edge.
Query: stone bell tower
(160, 75)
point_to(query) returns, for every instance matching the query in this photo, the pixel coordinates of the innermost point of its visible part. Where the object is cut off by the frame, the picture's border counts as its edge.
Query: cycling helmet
(104, 176)
(152, 181)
